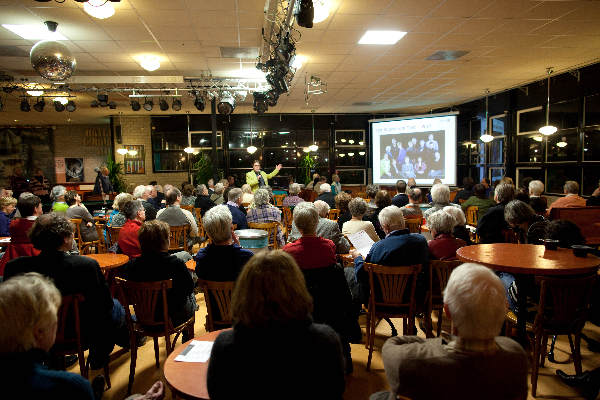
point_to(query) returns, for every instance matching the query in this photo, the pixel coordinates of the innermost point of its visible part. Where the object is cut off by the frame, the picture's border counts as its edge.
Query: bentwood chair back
(278, 199)
(218, 303)
(439, 273)
(271, 229)
(392, 295)
(189, 208)
(563, 308)
(333, 215)
(178, 236)
(77, 234)
(413, 225)
(85, 247)
(147, 299)
(198, 214)
(288, 218)
(113, 235)
(472, 215)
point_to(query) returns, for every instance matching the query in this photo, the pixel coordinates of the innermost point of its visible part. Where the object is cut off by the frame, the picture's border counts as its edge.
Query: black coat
(400, 200)
(204, 203)
(328, 198)
(491, 226)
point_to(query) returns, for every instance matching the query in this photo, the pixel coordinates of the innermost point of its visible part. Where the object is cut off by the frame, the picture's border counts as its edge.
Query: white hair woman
(536, 200)
(460, 230)
(58, 196)
(440, 196)
(247, 196)
(217, 196)
(263, 212)
(358, 209)
(292, 198)
(444, 244)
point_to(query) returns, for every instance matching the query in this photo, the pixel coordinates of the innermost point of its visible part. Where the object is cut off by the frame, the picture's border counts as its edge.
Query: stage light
(94, 104)
(25, 107)
(321, 10)
(305, 13)
(112, 105)
(176, 106)
(226, 104)
(35, 93)
(58, 106)
(272, 97)
(199, 103)
(297, 61)
(162, 104)
(135, 105)
(39, 106)
(260, 102)
(103, 100)
(100, 9)
(71, 106)
(61, 100)
(148, 104)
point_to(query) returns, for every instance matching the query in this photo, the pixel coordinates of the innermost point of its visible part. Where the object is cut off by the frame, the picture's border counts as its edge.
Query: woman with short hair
(358, 209)
(292, 199)
(247, 196)
(217, 196)
(460, 230)
(444, 244)
(530, 226)
(263, 212)
(341, 204)
(58, 198)
(536, 200)
(77, 210)
(117, 217)
(187, 195)
(7, 208)
(273, 336)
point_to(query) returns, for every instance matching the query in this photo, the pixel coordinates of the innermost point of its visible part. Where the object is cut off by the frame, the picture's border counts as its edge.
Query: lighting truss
(313, 87)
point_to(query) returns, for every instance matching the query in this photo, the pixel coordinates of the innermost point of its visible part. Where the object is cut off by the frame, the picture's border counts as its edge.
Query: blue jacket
(4, 224)
(238, 217)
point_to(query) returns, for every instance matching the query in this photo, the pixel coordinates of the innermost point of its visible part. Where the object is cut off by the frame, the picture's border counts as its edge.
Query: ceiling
(509, 42)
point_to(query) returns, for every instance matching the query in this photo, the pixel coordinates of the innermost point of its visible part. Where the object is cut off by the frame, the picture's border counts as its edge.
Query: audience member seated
(292, 199)
(382, 200)
(234, 204)
(435, 182)
(476, 364)
(358, 208)
(530, 226)
(444, 244)
(566, 232)
(264, 212)
(7, 207)
(156, 264)
(371, 191)
(217, 196)
(341, 204)
(203, 201)
(317, 186)
(78, 210)
(571, 199)
(128, 242)
(143, 193)
(273, 336)
(188, 198)
(156, 196)
(594, 199)
(523, 190)
(536, 200)
(336, 186)
(440, 194)
(117, 218)
(58, 198)
(326, 228)
(30, 208)
(174, 215)
(467, 190)
(247, 196)
(401, 198)
(480, 199)
(412, 209)
(315, 180)
(460, 230)
(102, 318)
(492, 224)
(326, 195)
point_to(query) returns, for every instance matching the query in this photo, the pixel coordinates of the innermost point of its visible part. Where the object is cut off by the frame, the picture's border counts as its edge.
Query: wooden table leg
(522, 282)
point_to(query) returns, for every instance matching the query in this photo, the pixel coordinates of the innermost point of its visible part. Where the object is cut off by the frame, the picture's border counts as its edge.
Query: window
(591, 115)
(349, 138)
(530, 148)
(495, 174)
(350, 156)
(591, 180)
(497, 125)
(203, 139)
(591, 144)
(352, 177)
(565, 115)
(533, 173)
(530, 119)
(169, 137)
(496, 151)
(558, 175)
(242, 159)
(562, 146)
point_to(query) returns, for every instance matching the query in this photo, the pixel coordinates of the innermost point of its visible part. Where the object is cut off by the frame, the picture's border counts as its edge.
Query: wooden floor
(361, 383)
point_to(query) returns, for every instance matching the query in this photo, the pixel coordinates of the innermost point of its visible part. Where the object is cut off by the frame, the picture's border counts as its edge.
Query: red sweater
(19, 246)
(128, 238)
(444, 247)
(312, 252)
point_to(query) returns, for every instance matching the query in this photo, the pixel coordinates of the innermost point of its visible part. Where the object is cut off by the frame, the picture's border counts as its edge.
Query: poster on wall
(134, 160)
(74, 169)
(59, 169)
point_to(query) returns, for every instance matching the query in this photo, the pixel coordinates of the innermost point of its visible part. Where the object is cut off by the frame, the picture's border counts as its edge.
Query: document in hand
(361, 242)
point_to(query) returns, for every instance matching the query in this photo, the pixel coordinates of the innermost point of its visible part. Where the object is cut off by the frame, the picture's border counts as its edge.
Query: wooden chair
(102, 245)
(562, 309)
(460, 201)
(510, 236)
(287, 221)
(145, 297)
(178, 236)
(68, 335)
(388, 298)
(113, 235)
(333, 215)
(472, 215)
(271, 228)
(453, 194)
(278, 199)
(218, 297)
(362, 195)
(85, 247)
(413, 225)
(189, 208)
(198, 214)
(439, 273)
(586, 218)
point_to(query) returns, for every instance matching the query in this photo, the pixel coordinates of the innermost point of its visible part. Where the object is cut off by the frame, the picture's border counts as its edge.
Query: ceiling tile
(98, 45)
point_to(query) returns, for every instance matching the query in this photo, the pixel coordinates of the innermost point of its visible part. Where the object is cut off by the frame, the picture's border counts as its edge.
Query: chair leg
(439, 322)
(577, 354)
(82, 367)
(132, 366)
(543, 351)
(371, 342)
(551, 352)
(368, 330)
(535, 365)
(107, 376)
(156, 351)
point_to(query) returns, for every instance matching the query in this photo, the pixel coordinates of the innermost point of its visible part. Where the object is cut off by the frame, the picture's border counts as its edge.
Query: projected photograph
(413, 155)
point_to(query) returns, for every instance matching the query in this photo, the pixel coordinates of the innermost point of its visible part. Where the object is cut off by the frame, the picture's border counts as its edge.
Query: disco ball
(52, 60)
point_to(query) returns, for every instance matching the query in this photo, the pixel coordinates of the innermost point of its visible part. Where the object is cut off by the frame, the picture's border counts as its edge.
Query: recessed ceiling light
(150, 62)
(297, 61)
(321, 8)
(381, 37)
(100, 9)
(35, 93)
(61, 100)
(34, 32)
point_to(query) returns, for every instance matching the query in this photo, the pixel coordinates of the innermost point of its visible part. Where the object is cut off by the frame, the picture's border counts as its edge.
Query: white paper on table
(361, 242)
(196, 351)
(5, 240)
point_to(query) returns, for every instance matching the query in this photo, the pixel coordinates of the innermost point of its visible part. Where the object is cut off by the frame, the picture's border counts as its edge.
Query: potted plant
(115, 174)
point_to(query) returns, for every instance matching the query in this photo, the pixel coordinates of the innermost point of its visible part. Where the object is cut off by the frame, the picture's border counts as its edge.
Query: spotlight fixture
(164, 106)
(321, 10)
(71, 106)
(35, 93)
(103, 100)
(100, 9)
(548, 129)
(58, 106)
(112, 105)
(176, 106)
(305, 13)
(199, 103)
(94, 104)
(148, 104)
(39, 106)
(272, 97)
(260, 102)
(135, 105)
(25, 107)
(226, 104)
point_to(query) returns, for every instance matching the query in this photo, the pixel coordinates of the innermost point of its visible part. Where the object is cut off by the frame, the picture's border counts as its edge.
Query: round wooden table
(191, 265)
(109, 260)
(188, 379)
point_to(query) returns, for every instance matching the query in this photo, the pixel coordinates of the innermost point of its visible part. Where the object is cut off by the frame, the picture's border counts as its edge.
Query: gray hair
(27, 302)
(357, 207)
(234, 194)
(372, 190)
(306, 217)
(132, 208)
(200, 188)
(58, 191)
(414, 194)
(219, 187)
(140, 190)
(217, 223)
(261, 197)
(246, 188)
(441, 222)
(294, 189)
(322, 208)
(324, 188)
(392, 217)
(571, 187)
(476, 300)
(457, 213)
(504, 192)
(167, 187)
(517, 212)
(118, 198)
(536, 187)
(440, 193)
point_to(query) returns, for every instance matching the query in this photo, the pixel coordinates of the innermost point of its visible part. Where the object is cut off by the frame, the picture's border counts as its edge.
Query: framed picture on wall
(74, 169)
(134, 162)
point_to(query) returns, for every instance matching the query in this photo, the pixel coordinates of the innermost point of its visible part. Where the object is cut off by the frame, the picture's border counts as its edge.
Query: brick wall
(70, 141)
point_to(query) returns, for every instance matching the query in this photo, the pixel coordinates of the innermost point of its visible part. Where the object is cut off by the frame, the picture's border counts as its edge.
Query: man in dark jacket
(234, 204)
(203, 201)
(326, 195)
(491, 226)
(401, 198)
